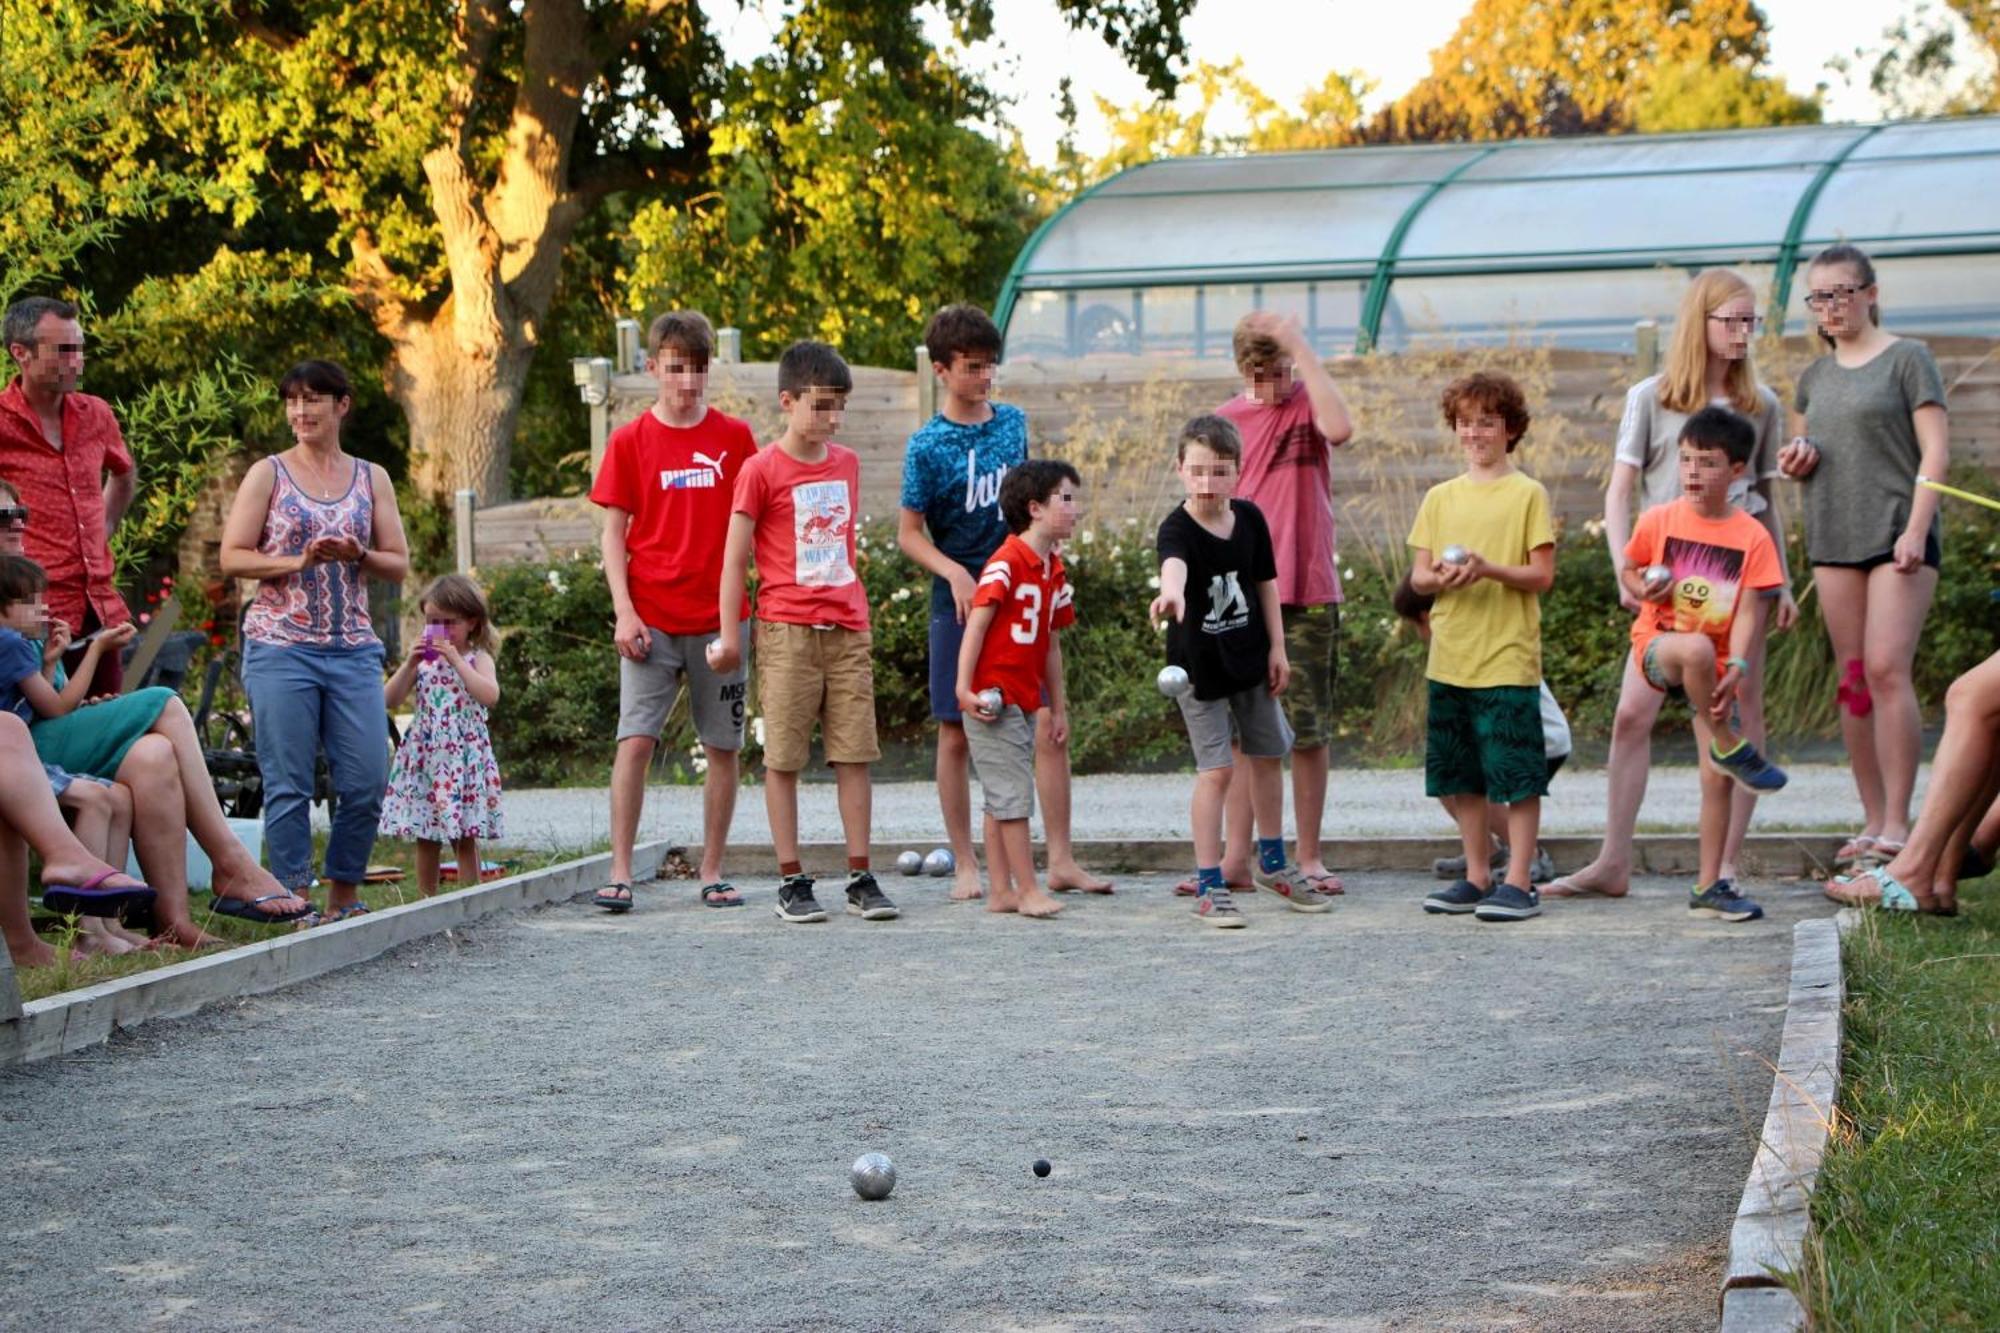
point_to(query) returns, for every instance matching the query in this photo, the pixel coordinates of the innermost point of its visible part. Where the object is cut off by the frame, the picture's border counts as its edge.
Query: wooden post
(631, 355)
(926, 387)
(1646, 347)
(729, 346)
(463, 507)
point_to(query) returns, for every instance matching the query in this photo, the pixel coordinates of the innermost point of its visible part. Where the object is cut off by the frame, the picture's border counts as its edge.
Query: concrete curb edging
(1768, 1238)
(1774, 854)
(75, 1019)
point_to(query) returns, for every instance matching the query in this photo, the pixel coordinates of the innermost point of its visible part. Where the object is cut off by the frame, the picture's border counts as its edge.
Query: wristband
(1741, 664)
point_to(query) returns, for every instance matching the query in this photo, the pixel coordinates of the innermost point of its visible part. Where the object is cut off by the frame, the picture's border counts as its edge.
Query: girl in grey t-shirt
(1869, 419)
(1709, 362)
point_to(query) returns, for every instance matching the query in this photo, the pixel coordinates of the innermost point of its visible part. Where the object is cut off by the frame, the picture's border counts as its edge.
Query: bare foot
(965, 883)
(82, 872)
(94, 941)
(1070, 877)
(1589, 882)
(40, 953)
(1002, 899)
(185, 935)
(1036, 903)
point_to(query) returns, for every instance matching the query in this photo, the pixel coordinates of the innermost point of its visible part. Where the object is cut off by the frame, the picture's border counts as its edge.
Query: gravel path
(1365, 803)
(566, 1120)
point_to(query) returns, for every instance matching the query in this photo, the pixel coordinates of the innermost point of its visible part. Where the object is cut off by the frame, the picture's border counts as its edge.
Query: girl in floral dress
(445, 786)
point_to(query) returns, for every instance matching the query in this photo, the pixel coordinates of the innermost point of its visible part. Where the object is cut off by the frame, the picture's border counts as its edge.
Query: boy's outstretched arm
(1278, 671)
(1172, 600)
(727, 653)
(976, 625)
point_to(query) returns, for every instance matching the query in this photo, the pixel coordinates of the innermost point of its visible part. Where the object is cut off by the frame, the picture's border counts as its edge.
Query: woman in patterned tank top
(312, 524)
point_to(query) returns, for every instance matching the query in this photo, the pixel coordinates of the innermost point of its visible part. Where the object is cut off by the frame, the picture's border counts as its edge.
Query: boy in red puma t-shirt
(665, 486)
(1010, 646)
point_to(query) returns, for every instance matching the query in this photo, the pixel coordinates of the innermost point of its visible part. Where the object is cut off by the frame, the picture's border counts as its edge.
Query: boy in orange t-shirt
(1010, 648)
(1694, 629)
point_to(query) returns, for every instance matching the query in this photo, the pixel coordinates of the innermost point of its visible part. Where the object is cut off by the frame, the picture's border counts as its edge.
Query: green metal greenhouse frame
(1908, 190)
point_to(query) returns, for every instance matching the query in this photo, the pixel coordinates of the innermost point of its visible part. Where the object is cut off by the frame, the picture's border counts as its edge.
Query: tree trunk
(461, 405)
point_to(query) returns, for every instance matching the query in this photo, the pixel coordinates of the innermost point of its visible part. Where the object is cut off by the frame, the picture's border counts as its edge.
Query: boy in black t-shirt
(1218, 582)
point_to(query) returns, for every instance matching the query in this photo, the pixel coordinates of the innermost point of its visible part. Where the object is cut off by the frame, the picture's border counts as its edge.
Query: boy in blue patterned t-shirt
(950, 523)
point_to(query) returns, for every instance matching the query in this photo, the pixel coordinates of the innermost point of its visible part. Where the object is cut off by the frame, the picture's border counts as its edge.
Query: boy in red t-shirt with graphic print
(665, 486)
(1010, 648)
(1695, 626)
(795, 510)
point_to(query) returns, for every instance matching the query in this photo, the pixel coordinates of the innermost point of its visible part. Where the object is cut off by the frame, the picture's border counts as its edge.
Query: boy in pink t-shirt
(795, 509)
(1291, 418)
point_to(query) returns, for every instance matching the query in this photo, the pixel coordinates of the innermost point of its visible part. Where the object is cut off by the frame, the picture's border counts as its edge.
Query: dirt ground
(1373, 1119)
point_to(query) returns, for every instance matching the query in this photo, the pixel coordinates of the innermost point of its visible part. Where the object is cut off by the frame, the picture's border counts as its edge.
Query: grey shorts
(1003, 757)
(1260, 723)
(647, 690)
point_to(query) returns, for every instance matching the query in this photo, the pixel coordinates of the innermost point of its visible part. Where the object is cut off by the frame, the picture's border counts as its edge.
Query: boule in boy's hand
(722, 659)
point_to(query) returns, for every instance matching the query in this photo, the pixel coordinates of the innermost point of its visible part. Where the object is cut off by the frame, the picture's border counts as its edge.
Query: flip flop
(335, 915)
(1564, 888)
(608, 899)
(1891, 895)
(1328, 883)
(720, 894)
(1854, 849)
(90, 898)
(253, 910)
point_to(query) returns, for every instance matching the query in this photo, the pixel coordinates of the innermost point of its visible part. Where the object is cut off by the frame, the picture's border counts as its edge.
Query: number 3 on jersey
(1030, 597)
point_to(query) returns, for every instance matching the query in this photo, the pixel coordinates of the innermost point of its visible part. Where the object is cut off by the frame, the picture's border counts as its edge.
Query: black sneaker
(1459, 899)
(866, 900)
(1507, 903)
(1722, 901)
(796, 903)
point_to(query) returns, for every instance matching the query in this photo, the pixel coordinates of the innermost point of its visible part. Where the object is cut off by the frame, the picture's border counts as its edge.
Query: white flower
(1086, 537)
(1153, 582)
(556, 581)
(757, 729)
(698, 758)
(1594, 526)
(902, 594)
(1347, 573)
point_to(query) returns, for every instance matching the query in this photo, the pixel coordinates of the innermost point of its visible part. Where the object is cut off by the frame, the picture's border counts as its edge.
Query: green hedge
(560, 678)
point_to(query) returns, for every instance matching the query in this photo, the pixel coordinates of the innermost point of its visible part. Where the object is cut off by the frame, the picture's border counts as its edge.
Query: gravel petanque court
(562, 1119)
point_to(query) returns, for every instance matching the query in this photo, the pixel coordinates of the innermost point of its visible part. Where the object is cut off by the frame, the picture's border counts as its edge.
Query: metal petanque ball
(940, 862)
(1454, 555)
(1173, 681)
(1655, 577)
(910, 862)
(990, 701)
(874, 1175)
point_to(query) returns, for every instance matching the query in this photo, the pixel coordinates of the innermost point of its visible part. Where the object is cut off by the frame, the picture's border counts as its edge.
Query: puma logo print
(707, 476)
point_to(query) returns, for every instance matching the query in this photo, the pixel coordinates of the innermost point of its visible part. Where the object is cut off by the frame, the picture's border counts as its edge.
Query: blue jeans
(304, 700)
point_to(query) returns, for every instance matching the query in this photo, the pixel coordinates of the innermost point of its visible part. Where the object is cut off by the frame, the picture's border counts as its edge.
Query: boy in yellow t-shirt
(1482, 545)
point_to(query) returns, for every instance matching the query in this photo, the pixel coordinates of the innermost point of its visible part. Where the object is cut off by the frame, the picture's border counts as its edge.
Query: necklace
(323, 486)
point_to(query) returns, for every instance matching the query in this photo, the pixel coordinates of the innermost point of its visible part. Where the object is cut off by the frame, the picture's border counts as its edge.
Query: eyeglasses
(14, 516)
(1739, 323)
(1825, 298)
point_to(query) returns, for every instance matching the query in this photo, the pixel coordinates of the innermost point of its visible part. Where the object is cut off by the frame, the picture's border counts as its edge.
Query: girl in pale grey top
(1870, 417)
(1708, 363)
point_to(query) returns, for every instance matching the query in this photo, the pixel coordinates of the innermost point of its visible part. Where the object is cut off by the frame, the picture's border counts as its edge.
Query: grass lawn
(1907, 1213)
(38, 982)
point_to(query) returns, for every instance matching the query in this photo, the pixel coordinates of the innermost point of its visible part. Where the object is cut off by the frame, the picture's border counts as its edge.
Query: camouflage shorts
(1312, 643)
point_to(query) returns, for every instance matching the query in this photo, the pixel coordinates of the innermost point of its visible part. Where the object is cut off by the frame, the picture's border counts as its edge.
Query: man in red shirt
(64, 453)
(665, 485)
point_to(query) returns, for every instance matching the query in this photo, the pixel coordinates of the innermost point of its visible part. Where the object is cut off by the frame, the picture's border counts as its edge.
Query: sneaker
(866, 900)
(796, 903)
(1507, 903)
(1291, 886)
(1721, 900)
(1459, 899)
(1218, 909)
(1750, 769)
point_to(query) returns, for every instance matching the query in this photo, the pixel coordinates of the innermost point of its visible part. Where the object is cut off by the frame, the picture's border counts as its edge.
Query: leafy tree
(1517, 68)
(1694, 95)
(1935, 60)
(453, 152)
(1328, 116)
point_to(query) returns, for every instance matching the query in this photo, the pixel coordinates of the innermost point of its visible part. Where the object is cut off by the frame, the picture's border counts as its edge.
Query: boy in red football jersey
(1010, 648)
(665, 486)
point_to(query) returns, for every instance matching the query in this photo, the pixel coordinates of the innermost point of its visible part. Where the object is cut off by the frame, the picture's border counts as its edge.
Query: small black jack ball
(1042, 1167)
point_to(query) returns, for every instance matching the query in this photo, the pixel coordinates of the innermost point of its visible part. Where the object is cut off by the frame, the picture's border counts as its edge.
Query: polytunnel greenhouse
(1567, 242)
